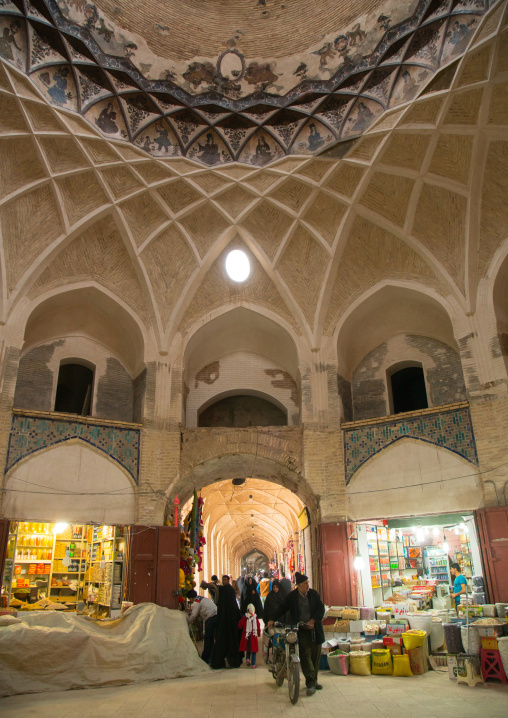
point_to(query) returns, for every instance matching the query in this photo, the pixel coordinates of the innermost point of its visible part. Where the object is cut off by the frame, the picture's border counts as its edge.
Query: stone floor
(248, 693)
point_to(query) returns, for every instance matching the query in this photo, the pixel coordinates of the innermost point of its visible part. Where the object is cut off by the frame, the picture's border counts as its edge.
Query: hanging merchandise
(191, 545)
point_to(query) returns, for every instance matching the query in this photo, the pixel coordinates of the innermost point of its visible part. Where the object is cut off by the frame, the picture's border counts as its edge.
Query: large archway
(252, 524)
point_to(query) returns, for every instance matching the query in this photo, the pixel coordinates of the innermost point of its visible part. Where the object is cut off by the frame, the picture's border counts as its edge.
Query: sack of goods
(413, 638)
(382, 662)
(338, 661)
(359, 663)
(401, 665)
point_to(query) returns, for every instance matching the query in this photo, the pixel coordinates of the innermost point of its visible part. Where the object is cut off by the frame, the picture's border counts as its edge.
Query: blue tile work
(30, 434)
(450, 429)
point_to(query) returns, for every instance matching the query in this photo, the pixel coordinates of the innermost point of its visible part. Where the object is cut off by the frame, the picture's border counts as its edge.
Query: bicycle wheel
(279, 672)
(294, 682)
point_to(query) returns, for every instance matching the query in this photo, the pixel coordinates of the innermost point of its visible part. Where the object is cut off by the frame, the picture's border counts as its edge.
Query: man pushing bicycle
(305, 606)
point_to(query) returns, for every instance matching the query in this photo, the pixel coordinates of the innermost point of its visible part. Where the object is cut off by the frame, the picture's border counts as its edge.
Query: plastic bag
(338, 662)
(401, 666)
(381, 662)
(359, 663)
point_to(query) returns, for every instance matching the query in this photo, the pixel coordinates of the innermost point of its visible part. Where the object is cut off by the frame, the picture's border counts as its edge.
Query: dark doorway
(74, 389)
(408, 390)
(242, 411)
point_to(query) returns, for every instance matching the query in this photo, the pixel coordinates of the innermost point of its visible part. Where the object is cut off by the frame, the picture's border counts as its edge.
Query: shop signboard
(396, 628)
(401, 609)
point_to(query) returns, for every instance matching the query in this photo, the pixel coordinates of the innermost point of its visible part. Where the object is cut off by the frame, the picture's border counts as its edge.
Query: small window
(408, 390)
(74, 389)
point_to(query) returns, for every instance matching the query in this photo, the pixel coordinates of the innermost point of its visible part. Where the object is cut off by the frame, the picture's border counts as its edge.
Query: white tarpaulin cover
(51, 651)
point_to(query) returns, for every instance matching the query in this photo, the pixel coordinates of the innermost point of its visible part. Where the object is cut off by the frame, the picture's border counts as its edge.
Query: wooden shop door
(143, 564)
(4, 540)
(168, 566)
(338, 577)
(493, 531)
(154, 565)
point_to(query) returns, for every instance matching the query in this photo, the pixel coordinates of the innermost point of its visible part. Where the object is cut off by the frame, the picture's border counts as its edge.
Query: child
(251, 631)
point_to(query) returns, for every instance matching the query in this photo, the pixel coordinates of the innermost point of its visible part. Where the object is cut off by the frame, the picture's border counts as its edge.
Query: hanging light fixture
(359, 563)
(435, 531)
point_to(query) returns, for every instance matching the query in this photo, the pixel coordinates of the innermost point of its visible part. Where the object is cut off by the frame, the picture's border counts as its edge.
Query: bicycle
(285, 658)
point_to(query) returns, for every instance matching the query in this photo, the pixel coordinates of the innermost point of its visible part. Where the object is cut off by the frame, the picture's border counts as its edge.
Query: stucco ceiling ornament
(268, 94)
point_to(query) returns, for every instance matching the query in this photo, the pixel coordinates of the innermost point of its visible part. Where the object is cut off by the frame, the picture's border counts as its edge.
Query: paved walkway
(251, 693)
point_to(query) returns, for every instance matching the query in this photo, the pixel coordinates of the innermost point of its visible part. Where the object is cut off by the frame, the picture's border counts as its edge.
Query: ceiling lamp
(237, 265)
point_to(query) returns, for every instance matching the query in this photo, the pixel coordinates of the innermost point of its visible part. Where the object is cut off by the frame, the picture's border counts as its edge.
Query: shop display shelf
(33, 560)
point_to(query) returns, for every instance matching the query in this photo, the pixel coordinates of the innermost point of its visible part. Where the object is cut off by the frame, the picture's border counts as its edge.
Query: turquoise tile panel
(451, 429)
(29, 434)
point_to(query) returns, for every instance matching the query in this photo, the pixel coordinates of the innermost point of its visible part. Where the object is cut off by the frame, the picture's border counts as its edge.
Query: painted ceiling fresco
(154, 89)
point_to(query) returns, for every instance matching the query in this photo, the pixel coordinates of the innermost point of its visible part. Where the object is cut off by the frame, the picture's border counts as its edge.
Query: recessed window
(74, 389)
(409, 392)
(237, 265)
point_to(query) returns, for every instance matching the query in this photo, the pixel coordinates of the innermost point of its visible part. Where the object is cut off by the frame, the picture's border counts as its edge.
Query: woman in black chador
(272, 603)
(226, 651)
(250, 595)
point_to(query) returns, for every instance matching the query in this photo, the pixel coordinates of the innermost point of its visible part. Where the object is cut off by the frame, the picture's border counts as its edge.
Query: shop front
(412, 557)
(65, 566)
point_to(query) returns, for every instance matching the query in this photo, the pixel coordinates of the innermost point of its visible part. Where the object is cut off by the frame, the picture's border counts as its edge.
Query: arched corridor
(253, 524)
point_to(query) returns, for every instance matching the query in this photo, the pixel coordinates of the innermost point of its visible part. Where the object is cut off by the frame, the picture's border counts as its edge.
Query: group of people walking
(233, 613)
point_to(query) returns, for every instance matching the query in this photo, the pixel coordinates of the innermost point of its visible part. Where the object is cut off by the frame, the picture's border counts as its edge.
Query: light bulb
(445, 547)
(60, 527)
(435, 531)
(420, 535)
(359, 563)
(456, 531)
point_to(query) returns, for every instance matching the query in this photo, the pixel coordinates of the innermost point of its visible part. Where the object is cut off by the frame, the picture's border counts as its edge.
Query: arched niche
(388, 311)
(241, 350)
(410, 478)
(242, 408)
(91, 313)
(500, 298)
(70, 482)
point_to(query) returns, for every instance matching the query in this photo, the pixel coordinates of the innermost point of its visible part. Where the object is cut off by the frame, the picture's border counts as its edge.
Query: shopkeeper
(459, 584)
(206, 610)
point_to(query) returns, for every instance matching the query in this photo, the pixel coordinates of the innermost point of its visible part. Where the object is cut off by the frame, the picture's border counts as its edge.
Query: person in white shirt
(206, 610)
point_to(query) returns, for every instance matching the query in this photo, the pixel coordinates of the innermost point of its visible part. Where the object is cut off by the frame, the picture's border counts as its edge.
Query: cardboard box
(452, 668)
(418, 661)
(356, 626)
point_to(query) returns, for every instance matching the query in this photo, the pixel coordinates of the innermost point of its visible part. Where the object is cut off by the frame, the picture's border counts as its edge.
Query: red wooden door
(338, 579)
(143, 564)
(4, 540)
(493, 530)
(168, 566)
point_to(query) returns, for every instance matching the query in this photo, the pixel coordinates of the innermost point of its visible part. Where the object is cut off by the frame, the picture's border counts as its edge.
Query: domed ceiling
(234, 80)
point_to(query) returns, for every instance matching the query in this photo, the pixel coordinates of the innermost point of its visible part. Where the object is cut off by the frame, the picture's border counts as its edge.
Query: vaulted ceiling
(419, 199)
(257, 514)
(248, 81)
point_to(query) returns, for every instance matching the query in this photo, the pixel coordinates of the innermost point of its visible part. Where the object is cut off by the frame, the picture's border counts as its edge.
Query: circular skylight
(237, 265)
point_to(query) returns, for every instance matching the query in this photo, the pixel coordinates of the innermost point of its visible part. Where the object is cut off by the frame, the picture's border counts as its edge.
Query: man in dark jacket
(305, 605)
(285, 583)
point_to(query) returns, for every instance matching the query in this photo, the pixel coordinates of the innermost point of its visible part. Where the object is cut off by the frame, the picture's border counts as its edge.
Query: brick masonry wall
(441, 365)
(115, 393)
(242, 371)
(34, 386)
